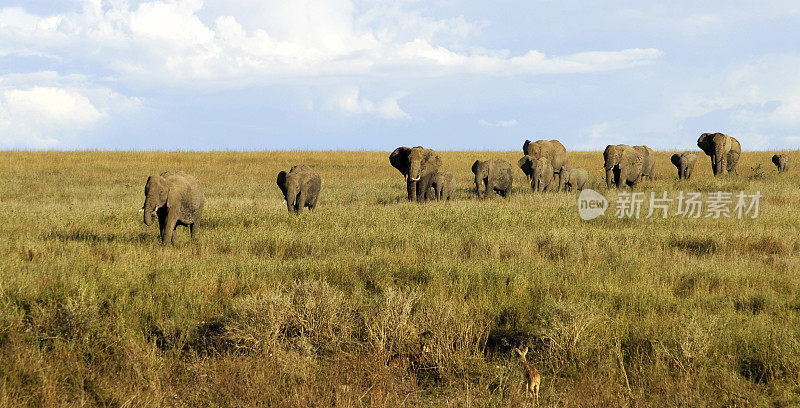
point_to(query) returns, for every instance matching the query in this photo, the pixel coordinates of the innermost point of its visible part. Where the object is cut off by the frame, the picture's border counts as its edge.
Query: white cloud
(42, 110)
(351, 102)
(168, 43)
(502, 123)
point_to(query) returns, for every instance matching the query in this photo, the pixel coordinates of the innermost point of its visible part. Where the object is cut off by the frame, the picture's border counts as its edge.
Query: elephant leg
(162, 224)
(175, 236)
(170, 224)
(301, 201)
(558, 186)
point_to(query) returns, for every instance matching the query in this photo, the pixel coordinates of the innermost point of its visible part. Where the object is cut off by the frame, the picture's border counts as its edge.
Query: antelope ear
(475, 166)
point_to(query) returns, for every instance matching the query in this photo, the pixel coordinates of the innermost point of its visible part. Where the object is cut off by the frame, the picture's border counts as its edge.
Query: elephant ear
(525, 163)
(475, 166)
(432, 162)
(525, 147)
(399, 159)
(282, 182)
(676, 159)
(706, 143)
(776, 160)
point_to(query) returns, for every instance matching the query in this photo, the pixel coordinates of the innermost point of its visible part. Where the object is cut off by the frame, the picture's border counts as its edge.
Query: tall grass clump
(374, 301)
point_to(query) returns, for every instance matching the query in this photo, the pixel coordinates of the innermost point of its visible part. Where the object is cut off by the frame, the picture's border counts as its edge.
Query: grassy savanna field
(272, 309)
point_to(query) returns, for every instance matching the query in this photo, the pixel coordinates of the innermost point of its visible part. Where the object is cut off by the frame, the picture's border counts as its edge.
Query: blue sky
(356, 74)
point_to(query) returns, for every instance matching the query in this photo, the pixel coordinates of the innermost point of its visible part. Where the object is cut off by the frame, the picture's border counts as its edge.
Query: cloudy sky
(358, 74)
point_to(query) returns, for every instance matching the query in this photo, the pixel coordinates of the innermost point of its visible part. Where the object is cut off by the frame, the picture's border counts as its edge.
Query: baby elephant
(494, 175)
(782, 161)
(574, 178)
(684, 162)
(300, 187)
(542, 176)
(177, 199)
(444, 184)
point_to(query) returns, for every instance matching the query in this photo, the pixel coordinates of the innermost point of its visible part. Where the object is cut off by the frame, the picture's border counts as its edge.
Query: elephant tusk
(415, 179)
(141, 210)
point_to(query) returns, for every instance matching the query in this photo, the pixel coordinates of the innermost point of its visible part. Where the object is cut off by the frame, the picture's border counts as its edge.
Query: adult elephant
(630, 168)
(612, 155)
(419, 166)
(300, 187)
(684, 162)
(723, 150)
(552, 150)
(495, 175)
(177, 199)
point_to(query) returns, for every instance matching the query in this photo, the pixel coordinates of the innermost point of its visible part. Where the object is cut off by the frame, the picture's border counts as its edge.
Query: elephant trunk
(478, 187)
(147, 210)
(291, 199)
(719, 162)
(414, 170)
(609, 176)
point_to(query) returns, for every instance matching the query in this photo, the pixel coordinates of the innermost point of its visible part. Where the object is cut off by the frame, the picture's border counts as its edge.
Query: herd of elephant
(177, 198)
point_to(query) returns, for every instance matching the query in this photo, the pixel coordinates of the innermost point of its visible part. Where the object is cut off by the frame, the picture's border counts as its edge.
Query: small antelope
(532, 377)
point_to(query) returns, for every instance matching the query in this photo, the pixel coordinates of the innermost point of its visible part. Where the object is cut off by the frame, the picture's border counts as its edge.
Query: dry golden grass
(272, 309)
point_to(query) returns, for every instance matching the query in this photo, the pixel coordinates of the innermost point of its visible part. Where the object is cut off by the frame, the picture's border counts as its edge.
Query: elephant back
(553, 150)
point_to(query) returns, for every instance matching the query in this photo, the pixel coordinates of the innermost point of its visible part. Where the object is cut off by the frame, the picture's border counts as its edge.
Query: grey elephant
(629, 170)
(649, 164)
(495, 175)
(684, 162)
(723, 150)
(177, 199)
(444, 185)
(553, 150)
(781, 161)
(418, 165)
(543, 177)
(611, 157)
(300, 187)
(574, 178)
